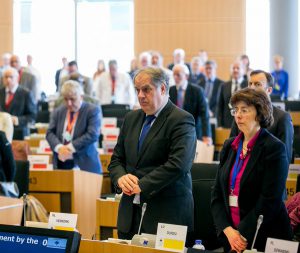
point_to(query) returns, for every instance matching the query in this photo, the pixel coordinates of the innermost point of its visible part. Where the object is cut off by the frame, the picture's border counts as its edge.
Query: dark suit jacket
(22, 106)
(162, 166)
(224, 117)
(261, 190)
(85, 137)
(57, 75)
(171, 66)
(215, 93)
(196, 79)
(195, 103)
(7, 161)
(282, 128)
(29, 82)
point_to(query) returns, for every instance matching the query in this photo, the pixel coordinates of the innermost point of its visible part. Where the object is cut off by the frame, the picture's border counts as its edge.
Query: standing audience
(281, 77)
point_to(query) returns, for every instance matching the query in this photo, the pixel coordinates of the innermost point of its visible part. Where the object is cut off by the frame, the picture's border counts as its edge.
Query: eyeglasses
(243, 111)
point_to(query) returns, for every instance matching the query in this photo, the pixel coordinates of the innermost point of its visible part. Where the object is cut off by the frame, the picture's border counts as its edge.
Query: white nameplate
(281, 246)
(109, 122)
(40, 162)
(62, 221)
(171, 237)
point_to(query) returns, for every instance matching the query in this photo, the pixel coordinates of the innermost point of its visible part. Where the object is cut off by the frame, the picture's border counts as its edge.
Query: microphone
(24, 208)
(144, 207)
(259, 222)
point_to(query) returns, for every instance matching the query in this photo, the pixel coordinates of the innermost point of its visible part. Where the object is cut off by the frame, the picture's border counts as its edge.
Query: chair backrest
(43, 117)
(22, 176)
(20, 149)
(204, 228)
(204, 170)
(221, 135)
(115, 110)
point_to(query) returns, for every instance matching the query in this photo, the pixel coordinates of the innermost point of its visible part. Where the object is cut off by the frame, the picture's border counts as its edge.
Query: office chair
(22, 176)
(204, 170)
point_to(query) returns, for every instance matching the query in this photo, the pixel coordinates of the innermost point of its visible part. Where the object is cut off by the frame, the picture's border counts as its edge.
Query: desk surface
(10, 211)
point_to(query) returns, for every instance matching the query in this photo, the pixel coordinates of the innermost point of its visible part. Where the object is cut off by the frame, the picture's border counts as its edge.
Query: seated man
(18, 102)
(74, 131)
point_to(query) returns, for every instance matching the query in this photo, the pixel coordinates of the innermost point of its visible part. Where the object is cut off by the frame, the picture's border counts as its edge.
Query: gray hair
(71, 87)
(157, 75)
(179, 51)
(13, 70)
(183, 67)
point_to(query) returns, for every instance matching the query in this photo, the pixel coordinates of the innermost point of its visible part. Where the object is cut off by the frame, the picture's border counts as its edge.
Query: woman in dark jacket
(251, 178)
(7, 162)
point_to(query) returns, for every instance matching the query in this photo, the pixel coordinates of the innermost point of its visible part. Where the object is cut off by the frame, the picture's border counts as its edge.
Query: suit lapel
(158, 123)
(2, 99)
(187, 97)
(79, 119)
(61, 123)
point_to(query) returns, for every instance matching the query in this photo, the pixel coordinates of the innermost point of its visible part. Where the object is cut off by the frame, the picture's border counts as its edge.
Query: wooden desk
(105, 160)
(88, 246)
(295, 118)
(69, 191)
(106, 221)
(222, 134)
(11, 210)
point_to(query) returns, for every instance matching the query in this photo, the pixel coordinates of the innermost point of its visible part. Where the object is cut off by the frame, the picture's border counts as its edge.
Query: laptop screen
(14, 239)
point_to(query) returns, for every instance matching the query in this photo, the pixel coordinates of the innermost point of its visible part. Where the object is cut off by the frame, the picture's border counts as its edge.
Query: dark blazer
(57, 75)
(282, 128)
(171, 66)
(195, 103)
(223, 112)
(85, 137)
(22, 106)
(162, 166)
(215, 93)
(196, 79)
(29, 82)
(7, 161)
(261, 188)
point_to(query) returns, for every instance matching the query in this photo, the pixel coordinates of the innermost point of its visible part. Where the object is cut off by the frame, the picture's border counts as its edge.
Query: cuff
(71, 147)
(57, 147)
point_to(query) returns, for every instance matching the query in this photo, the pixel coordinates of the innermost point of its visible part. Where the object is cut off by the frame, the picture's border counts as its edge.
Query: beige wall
(217, 26)
(6, 26)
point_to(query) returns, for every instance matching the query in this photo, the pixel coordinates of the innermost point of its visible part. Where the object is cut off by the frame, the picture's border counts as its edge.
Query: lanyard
(237, 166)
(71, 122)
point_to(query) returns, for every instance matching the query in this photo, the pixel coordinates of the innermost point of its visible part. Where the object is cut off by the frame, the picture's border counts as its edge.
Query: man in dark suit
(226, 90)
(152, 160)
(191, 98)
(59, 74)
(26, 79)
(196, 76)
(178, 58)
(282, 128)
(73, 73)
(74, 131)
(211, 85)
(17, 101)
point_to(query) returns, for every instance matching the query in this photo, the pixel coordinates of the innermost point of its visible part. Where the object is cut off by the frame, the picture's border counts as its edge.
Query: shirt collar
(212, 79)
(13, 90)
(161, 108)
(183, 86)
(240, 137)
(240, 80)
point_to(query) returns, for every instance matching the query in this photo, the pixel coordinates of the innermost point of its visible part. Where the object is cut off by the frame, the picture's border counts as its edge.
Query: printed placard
(277, 245)
(109, 122)
(171, 237)
(40, 162)
(62, 221)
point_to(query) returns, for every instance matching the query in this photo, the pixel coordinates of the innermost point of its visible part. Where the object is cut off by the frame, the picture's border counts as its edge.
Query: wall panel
(217, 26)
(6, 26)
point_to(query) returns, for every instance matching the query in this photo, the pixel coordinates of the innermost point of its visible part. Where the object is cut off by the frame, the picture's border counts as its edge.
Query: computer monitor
(36, 240)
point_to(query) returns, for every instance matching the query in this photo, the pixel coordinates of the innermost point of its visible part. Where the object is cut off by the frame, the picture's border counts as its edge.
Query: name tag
(233, 201)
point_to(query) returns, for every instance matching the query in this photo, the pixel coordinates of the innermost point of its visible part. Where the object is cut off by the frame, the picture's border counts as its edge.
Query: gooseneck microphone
(144, 207)
(259, 222)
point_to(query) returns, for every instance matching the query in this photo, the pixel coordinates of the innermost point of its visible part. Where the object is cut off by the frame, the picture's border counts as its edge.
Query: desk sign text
(170, 237)
(281, 246)
(62, 221)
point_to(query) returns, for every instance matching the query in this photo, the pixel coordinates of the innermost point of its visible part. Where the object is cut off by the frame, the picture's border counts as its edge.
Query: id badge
(233, 201)
(67, 136)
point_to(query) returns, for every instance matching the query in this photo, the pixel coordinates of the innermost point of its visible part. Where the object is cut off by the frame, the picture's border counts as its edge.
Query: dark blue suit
(195, 103)
(85, 137)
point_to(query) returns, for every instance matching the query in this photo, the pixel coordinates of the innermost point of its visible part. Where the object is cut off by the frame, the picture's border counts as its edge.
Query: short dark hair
(269, 77)
(72, 63)
(112, 62)
(157, 75)
(260, 100)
